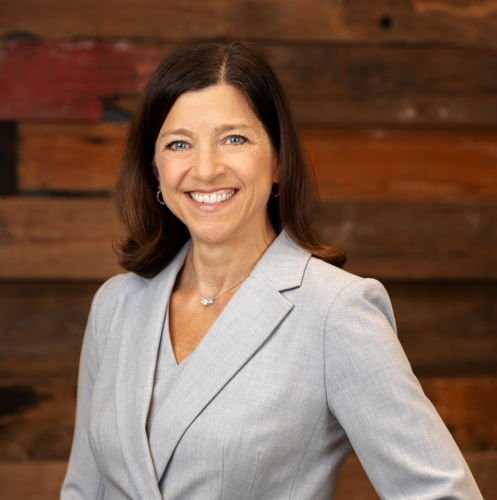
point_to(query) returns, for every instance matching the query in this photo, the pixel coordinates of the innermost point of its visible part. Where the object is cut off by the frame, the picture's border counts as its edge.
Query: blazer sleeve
(83, 480)
(402, 443)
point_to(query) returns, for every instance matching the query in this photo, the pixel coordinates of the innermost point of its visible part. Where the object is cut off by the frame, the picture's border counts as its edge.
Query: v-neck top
(167, 372)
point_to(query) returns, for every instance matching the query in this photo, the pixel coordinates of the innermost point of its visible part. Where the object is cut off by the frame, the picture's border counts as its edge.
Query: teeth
(212, 199)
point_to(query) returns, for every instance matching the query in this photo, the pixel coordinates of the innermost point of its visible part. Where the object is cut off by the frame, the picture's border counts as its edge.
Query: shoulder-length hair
(153, 234)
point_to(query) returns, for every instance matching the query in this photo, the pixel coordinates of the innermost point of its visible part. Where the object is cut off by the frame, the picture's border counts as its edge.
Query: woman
(241, 363)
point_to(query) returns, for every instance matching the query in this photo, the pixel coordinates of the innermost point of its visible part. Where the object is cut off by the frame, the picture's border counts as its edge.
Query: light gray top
(302, 364)
(167, 372)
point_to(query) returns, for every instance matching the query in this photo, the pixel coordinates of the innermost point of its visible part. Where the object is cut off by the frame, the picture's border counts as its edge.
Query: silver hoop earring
(158, 197)
(278, 193)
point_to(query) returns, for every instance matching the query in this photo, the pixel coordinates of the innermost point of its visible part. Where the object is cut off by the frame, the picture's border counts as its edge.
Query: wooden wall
(397, 107)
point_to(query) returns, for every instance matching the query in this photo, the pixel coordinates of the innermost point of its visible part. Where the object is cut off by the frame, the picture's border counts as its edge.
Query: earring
(278, 193)
(158, 197)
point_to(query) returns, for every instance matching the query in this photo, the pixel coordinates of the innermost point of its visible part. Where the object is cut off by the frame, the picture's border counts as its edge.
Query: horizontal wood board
(42, 479)
(373, 164)
(64, 238)
(57, 237)
(327, 85)
(414, 240)
(463, 22)
(37, 420)
(446, 329)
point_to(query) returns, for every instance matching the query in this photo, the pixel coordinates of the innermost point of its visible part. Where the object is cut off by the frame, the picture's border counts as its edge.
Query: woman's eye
(236, 139)
(177, 145)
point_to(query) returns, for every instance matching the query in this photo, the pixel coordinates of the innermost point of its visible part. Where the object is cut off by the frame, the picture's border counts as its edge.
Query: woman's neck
(219, 265)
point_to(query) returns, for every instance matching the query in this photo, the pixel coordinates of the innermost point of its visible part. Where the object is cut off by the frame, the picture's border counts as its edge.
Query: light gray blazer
(302, 364)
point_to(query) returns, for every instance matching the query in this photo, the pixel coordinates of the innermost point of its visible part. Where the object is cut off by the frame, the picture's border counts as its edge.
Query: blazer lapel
(145, 311)
(248, 319)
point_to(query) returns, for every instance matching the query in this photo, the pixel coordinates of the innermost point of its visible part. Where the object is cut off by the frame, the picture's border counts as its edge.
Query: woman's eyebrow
(177, 131)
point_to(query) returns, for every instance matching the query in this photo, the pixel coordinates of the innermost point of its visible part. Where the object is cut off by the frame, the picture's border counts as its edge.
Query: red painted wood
(62, 80)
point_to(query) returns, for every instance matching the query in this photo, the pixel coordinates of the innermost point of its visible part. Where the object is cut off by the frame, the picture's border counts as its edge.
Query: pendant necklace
(209, 302)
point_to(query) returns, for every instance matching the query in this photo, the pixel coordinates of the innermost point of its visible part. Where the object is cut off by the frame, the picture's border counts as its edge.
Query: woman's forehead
(219, 108)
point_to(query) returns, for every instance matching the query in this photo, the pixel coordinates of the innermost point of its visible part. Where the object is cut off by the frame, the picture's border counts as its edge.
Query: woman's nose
(207, 164)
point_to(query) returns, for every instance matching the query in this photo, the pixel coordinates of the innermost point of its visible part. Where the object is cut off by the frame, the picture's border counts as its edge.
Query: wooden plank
(8, 135)
(57, 238)
(327, 85)
(349, 164)
(447, 329)
(59, 80)
(41, 329)
(32, 480)
(41, 480)
(72, 238)
(403, 164)
(415, 240)
(69, 157)
(468, 407)
(466, 22)
(37, 420)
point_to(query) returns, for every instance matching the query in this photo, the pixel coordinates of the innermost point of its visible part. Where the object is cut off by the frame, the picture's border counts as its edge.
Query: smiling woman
(237, 361)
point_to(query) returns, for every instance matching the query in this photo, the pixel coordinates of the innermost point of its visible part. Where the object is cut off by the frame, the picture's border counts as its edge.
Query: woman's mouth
(213, 198)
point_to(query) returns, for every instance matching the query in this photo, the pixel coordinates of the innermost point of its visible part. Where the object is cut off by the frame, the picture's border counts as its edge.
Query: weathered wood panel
(57, 238)
(37, 421)
(414, 240)
(446, 329)
(58, 80)
(41, 329)
(468, 407)
(69, 157)
(328, 85)
(72, 238)
(466, 22)
(349, 164)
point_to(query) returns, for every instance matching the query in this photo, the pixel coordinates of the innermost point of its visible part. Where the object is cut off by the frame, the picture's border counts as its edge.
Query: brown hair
(154, 234)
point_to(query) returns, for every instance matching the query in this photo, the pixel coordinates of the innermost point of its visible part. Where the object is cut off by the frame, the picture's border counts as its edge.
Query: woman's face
(215, 164)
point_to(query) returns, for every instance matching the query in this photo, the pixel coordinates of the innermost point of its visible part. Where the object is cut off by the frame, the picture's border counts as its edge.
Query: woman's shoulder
(336, 286)
(119, 287)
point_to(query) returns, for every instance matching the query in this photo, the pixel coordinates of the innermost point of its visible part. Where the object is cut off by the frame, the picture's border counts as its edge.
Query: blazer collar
(249, 318)
(284, 263)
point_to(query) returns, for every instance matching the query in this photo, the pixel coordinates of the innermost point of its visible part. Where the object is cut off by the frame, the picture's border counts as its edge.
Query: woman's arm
(83, 480)
(402, 443)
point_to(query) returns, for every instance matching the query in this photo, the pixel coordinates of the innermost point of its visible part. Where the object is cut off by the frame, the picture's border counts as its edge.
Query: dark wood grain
(41, 329)
(326, 84)
(463, 22)
(374, 164)
(447, 329)
(57, 238)
(415, 240)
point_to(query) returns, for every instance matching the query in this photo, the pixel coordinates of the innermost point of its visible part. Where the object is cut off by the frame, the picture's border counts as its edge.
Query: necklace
(208, 302)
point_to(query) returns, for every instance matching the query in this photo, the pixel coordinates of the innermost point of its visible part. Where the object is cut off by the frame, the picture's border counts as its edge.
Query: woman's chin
(212, 234)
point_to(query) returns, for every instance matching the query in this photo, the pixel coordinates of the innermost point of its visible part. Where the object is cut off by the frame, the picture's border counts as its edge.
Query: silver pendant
(207, 302)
